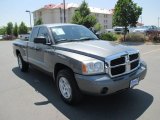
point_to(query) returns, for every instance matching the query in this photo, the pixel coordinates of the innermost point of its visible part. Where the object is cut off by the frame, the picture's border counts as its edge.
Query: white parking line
(150, 52)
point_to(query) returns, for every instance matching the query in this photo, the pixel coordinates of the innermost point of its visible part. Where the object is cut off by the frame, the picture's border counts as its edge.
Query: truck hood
(98, 48)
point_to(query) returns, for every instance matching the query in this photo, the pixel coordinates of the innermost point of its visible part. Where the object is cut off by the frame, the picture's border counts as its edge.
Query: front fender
(71, 60)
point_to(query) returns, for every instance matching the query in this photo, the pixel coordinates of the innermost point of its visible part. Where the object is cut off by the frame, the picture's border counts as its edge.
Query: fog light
(104, 90)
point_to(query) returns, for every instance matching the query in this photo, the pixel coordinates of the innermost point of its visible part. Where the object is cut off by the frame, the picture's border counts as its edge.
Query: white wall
(53, 16)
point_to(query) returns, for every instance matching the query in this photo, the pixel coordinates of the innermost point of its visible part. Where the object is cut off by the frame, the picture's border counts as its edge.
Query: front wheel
(22, 64)
(67, 87)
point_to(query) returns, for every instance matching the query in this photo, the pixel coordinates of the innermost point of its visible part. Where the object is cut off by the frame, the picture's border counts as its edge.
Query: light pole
(141, 18)
(30, 17)
(158, 21)
(64, 11)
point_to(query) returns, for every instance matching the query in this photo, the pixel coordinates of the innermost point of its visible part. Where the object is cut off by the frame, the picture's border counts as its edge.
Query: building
(54, 13)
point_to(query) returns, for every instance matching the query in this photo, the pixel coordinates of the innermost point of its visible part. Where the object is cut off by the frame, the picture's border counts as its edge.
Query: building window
(35, 15)
(40, 13)
(96, 14)
(105, 21)
(105, 26)
(105, 16)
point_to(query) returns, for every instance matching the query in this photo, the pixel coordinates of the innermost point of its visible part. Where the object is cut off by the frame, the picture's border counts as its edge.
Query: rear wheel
(67, 87)
(22, 64)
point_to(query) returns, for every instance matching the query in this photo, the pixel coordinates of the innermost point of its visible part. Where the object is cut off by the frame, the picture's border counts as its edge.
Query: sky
(14, 10)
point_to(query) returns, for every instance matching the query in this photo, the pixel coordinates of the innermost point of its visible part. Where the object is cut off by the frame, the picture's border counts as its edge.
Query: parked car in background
(9, 37)
(1, 37)
(109, 31)
(119, 30)
(24, 36)
(131, 29)
(146, 29)
(116, 29)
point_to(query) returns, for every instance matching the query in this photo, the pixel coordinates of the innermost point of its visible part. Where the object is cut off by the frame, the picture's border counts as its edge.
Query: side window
(43, 32)
(33, 34)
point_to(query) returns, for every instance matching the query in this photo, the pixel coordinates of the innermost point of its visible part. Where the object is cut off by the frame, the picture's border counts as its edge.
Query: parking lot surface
(32, 96)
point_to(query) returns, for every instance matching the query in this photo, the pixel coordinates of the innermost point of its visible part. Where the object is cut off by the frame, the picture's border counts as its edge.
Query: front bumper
(98, 84)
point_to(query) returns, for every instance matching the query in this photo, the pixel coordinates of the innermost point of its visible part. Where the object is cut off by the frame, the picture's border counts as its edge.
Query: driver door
(40, 48)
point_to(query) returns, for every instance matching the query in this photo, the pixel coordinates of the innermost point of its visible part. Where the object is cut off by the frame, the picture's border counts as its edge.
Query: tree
(97, 26)
(9, 28)
(3, 30)
(15, 30)
(23, 28)
(39, 22)
(126, 13)
(83, 16)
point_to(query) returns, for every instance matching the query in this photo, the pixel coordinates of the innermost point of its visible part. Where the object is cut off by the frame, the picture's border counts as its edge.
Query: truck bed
(20, 46)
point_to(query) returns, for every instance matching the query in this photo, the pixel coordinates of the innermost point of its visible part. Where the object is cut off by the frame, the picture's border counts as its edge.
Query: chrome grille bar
(131, 57)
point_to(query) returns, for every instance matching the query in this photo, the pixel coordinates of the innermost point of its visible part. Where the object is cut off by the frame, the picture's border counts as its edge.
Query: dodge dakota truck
(79, 61)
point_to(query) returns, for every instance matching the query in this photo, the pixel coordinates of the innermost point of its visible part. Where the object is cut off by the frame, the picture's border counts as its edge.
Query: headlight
(92, 67)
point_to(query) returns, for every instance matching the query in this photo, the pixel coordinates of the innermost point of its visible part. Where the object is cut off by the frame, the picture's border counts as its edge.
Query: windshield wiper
(88, 38)
(66, 40)
(75, 40)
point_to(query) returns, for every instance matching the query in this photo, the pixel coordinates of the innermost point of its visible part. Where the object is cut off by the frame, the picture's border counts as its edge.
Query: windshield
(68, 33)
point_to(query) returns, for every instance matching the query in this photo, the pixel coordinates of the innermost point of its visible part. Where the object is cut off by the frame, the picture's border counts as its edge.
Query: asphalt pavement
(33, 96)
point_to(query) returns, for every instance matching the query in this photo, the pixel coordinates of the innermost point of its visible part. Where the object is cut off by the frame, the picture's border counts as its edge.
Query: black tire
(76, 95)
(24, 66)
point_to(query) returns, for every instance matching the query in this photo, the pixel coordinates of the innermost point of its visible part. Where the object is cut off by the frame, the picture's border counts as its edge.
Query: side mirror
(97, 34)
(41, 40)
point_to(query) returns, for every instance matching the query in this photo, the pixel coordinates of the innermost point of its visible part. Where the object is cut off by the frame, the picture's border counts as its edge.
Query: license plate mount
(134, 82)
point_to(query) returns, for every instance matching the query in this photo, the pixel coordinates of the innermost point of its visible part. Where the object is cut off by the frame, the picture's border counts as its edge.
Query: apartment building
(54, 13)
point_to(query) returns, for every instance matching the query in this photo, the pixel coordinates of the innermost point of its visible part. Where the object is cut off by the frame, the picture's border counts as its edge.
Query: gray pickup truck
(79, 62)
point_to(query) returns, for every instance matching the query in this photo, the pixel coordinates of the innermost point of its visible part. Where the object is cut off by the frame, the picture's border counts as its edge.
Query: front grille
(134, 64)
(133, 56)
(118, 70)
(118, 61)
(123, 63)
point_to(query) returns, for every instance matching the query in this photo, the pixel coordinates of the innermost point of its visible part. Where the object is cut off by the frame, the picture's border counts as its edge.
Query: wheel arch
(18, 52)
(58, 67)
